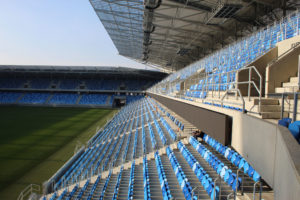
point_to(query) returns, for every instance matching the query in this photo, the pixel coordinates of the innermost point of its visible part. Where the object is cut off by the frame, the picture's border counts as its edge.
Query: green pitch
(36, 141)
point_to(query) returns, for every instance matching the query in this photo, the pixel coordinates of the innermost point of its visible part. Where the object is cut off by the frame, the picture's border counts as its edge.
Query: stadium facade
(235, 79)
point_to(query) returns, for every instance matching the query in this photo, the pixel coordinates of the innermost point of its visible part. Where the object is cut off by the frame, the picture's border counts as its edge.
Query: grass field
(36, 141)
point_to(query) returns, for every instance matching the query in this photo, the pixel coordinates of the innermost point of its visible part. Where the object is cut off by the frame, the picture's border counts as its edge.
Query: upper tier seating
(40, 83)
(12, 83)
(94, 84)
(218, 70)
(69, 84)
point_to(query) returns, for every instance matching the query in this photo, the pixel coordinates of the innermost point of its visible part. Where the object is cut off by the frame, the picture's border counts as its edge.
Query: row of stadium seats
(147, 195)
(63, 98)
(176, 121)
(234, 157)
(9, 97)
(105, 186)
(71, 84)
(182, 180)
(93, 99)
(169, 129)
(223, 170)
(204, 178)
(153, 141)
(93, 188)
(162, 178)
(12, 83)
(34, 98)
(131, 181)
(225, 106)
(117, 186)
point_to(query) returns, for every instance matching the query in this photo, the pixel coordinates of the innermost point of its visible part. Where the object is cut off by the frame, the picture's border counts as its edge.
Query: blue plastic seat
(285, 122)
(295, 129)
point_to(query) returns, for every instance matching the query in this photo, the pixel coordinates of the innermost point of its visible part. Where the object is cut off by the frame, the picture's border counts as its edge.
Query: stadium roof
(175, 33)
(78, 70)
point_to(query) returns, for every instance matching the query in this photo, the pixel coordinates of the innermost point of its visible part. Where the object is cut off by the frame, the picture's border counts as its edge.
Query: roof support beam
(192, 4)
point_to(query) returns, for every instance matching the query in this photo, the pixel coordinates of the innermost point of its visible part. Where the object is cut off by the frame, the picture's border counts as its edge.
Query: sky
(55, 32)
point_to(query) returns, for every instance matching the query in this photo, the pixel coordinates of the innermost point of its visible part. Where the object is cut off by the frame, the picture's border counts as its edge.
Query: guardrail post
(249, 84)
(298, 71)
(295, 106)
(236, 83)
(282, 106)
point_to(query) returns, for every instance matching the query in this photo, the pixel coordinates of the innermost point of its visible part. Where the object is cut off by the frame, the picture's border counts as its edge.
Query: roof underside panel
(172, 34)
(123, 21)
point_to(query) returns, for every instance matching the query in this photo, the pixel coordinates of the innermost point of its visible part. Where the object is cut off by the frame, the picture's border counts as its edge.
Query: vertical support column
(295, 107)
(249, 84)
(282, 106)
(298, 72)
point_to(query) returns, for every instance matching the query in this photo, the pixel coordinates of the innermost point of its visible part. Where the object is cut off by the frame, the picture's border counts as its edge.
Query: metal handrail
(193, 192)
(29, 190)
(260, 190)
(215, 185)
(240, 95)
(250, 83)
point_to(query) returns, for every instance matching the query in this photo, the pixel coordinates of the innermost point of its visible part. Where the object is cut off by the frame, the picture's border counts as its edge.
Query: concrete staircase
(291, 86)
(123, 190)
(270, 108)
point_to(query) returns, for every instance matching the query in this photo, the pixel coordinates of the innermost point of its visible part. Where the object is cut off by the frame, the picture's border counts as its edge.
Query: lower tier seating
(63, 98)
(9, 97)
(95, 99)
(178, 170)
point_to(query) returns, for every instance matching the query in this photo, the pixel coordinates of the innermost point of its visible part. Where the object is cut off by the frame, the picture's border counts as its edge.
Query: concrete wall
(255, 139)
(203, 119)
(272, 151)
(285, 45)
(287, 166)
(260, 64)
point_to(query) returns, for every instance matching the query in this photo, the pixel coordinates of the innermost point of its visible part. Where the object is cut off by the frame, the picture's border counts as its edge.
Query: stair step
(273, 115)
(290, 84)
(268, 101)
(270, 108)
(294, 79)
(286, 89)
(265, 195)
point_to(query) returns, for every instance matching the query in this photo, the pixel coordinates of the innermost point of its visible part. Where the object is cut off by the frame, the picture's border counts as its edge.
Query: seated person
(198, 134)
